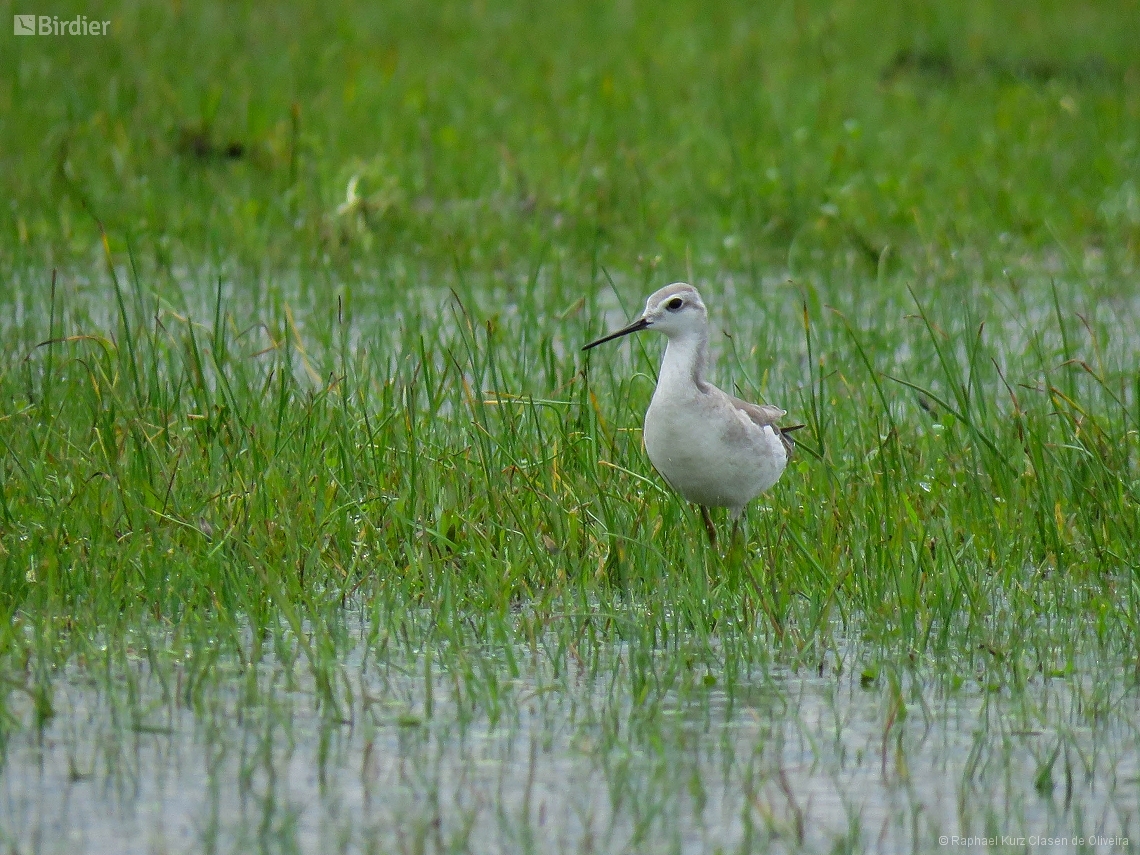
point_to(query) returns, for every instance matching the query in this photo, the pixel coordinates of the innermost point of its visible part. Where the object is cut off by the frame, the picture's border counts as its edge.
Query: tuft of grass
(958, 494)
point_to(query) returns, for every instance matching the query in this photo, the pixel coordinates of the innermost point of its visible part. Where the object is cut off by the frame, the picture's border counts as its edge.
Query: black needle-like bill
(639, 324)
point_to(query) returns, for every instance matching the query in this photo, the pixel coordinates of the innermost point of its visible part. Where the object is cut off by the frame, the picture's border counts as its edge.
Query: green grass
(252, 416)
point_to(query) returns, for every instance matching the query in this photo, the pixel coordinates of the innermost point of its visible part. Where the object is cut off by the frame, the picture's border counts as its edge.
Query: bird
(714, 449)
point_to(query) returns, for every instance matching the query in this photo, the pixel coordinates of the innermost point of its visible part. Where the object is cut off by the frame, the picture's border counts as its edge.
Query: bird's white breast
(708, 450)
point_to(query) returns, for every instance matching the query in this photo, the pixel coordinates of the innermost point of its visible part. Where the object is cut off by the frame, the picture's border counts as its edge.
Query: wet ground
(834, 761)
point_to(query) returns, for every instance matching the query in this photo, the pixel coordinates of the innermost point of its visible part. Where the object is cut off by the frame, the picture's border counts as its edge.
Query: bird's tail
(787, 439)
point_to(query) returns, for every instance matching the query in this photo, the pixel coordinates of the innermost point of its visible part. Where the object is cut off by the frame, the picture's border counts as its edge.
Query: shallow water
(142, 763)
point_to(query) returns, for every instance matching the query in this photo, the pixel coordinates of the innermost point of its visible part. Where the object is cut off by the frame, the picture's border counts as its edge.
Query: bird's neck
(684, 360)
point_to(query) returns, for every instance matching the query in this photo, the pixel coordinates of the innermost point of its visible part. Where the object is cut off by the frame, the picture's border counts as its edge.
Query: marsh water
(399, 758)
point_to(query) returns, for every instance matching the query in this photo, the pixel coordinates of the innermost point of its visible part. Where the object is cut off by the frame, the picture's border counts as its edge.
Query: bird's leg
(737, 541)
(709, 526)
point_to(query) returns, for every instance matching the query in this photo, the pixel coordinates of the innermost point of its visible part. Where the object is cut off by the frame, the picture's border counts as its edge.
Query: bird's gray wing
(762, 414)
(765, 415)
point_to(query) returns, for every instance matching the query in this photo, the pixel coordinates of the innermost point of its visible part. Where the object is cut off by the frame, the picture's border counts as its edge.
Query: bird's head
(675, 310)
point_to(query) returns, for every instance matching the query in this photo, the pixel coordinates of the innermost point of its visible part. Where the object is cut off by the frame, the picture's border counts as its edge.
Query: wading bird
(712, 448)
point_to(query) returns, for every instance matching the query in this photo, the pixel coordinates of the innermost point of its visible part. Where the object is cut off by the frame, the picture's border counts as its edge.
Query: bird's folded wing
(762, 414)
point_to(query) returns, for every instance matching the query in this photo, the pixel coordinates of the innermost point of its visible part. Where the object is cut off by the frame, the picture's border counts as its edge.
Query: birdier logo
(52, 25)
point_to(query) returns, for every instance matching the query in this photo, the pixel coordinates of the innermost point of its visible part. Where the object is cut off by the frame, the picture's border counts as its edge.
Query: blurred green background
(404, 139)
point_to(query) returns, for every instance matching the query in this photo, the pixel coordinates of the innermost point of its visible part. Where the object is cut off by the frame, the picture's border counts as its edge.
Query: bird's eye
(674, 304)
